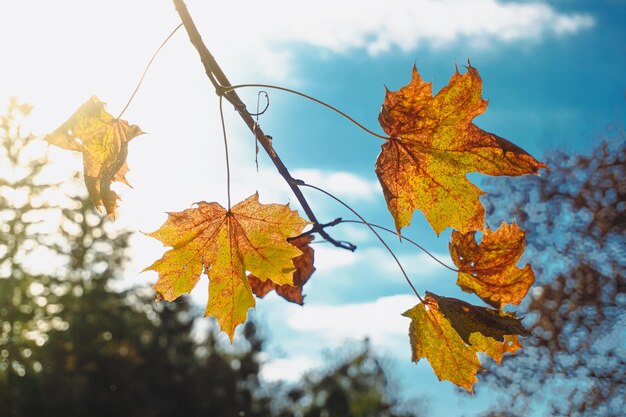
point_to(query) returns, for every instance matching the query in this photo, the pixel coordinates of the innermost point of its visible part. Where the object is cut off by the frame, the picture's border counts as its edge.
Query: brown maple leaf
(487, 330)
(304, 270)
(488, 269)
(103, 141)
(225, 244)
(449, 332)
(433, 145)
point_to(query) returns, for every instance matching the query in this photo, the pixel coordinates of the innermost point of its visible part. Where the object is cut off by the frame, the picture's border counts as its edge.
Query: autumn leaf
(103, 141)
(449, 333)
(487, 330)
(433, 145)
(225, 244)
(488, 269)
(433, 337)
(495, 349)
(304, 269)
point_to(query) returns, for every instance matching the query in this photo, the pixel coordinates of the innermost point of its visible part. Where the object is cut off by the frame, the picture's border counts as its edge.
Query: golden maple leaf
(304, 270)
(488, 269)
(433, 145)
(432, 337)
(449, 332)
(225, 244)
(103, 141)
(486, 330)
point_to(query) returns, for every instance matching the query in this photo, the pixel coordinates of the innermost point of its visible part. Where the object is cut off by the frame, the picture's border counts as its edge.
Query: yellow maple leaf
(488, 269)
(432, 337)
(103, 141)
(449, 332)
(493, 348)
(304, 270)
(225, 244)
(433, 145)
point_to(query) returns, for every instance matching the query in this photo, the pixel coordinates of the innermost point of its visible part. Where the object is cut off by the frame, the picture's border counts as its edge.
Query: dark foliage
(356, 386)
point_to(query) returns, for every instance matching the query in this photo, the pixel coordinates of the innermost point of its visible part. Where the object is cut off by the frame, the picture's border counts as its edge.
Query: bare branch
(222, 84)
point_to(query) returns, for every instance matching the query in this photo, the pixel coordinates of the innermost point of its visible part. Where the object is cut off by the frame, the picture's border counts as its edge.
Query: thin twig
(145, 71)
(256, 120)
(225, 152)
(402, 237)
(406, 277)
(472, 270)
(319, 226)
(323, 225)
(221, 83)
(289, 90)
(258, 101)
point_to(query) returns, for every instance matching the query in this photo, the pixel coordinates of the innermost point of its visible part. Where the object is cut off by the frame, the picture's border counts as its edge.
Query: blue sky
(553, 73)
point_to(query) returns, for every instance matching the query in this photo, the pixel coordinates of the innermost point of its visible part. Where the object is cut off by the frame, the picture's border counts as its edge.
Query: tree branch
(221, 84)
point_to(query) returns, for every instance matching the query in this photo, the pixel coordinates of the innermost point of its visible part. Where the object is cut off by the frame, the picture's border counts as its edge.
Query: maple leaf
(491, 331)
(488, 269)
(304, 269)
(433, 337)
(433, 145)
(449, 333)
(103, 141)
(225, 244)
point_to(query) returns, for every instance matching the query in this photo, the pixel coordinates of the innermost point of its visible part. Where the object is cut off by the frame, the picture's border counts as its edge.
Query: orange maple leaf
(304, 270)
(433, 145)
(449, 332)
(103, 141)
(488, 269)
(225, 244)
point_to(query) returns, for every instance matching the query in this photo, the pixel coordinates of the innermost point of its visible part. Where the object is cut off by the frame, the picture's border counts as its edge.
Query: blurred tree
(575, 220)
(356, 386)
(73, 345)
(69, 343)
(24, 314)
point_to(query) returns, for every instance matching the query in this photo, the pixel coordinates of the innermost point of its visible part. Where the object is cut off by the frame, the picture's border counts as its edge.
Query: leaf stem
(365, 222)
(225, 152)
(402, 237)
(221, 83)
(289, 90)
(145, 71)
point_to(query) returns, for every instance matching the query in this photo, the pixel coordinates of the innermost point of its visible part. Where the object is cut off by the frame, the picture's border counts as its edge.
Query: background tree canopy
(575, 220)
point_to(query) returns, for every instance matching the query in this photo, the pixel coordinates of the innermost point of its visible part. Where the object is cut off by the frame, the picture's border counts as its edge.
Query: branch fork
(222, 89)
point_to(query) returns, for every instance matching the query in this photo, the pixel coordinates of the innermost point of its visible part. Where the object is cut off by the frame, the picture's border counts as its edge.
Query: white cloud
(330, 258)
(79, 50)
(376, 26)
(341, 184)
(288, 369)
(380, 321)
